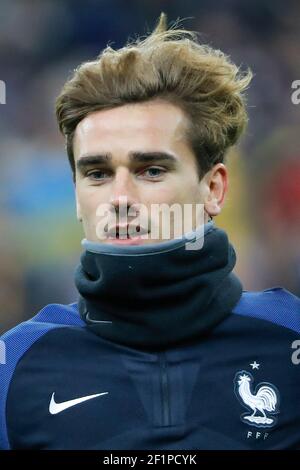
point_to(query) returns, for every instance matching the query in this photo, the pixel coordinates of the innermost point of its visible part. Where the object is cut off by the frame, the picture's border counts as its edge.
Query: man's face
(136, 157)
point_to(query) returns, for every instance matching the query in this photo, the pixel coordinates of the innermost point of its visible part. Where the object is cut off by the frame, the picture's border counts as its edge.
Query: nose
(124, 193)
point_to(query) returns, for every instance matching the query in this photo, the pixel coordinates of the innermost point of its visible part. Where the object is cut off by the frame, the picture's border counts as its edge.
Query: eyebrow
(134, 157)
(89, 160)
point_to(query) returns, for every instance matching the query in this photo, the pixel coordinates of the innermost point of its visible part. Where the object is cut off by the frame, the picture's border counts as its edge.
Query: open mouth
(126, 232)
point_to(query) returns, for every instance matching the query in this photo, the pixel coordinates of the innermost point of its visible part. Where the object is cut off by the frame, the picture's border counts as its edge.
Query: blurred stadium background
(42, 41)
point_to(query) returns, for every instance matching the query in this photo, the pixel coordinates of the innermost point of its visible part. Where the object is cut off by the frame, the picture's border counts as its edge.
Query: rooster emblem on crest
(263, 402)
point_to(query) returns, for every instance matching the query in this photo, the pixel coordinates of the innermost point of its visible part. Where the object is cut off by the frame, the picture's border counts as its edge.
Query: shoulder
(51, 316)
(17, 341)
(276, 305)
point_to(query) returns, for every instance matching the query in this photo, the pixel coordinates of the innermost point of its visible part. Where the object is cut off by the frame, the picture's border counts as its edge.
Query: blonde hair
(168, 64)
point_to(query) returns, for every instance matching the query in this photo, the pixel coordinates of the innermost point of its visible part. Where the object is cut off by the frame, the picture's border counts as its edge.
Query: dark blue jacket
(238, 387)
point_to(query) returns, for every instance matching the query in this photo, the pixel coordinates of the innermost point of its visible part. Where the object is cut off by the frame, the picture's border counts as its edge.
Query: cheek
(88, 201)
(197, 194)
(187, 194)
(159, 195)
(170, 193)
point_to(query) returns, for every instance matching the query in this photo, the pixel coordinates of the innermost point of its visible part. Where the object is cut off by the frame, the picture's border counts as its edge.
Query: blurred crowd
(41, 42)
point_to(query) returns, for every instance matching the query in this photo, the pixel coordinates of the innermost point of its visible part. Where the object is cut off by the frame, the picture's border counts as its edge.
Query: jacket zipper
(164, 390)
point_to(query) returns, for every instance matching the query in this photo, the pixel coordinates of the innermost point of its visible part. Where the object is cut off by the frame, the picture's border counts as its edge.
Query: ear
(216, 189)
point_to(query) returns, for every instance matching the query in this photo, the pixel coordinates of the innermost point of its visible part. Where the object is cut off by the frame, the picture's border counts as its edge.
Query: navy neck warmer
(155, 296)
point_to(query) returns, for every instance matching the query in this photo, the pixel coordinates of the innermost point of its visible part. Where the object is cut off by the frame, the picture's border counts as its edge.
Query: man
(163, 350)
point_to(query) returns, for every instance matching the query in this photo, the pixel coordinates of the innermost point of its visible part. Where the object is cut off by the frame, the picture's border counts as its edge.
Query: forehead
(142, 126)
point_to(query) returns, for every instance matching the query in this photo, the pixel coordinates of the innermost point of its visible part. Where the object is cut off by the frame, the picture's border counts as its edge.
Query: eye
(153, 172)
(97, 174)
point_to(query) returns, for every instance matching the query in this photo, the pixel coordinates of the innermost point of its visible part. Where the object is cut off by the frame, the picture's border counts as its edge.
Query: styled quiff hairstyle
(171, 65)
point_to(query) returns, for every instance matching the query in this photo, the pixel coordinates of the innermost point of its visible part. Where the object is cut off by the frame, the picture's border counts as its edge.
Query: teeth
(124, 231)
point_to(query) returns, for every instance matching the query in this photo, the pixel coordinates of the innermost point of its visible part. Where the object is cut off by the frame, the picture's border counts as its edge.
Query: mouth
(127, 234)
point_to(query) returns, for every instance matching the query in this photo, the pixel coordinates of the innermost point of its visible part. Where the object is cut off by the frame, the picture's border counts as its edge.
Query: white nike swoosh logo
(55, 408)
